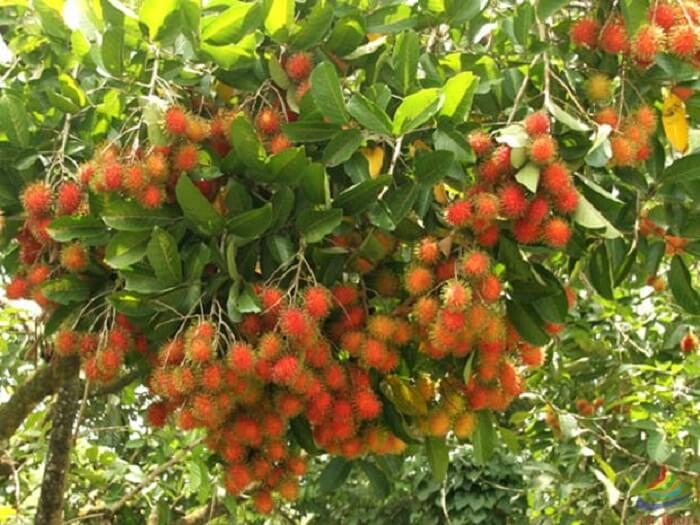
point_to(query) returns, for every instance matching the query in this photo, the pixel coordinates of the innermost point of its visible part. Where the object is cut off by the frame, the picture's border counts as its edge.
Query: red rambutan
(537, 123)
(480, 142)
(268, 121)
(68, 198)
(584, 32)
(543, 149)
(185, 157)
(175, 120)
(298, 67)
(556, 232)
(74, 258)
(37, 199)
(418, 280)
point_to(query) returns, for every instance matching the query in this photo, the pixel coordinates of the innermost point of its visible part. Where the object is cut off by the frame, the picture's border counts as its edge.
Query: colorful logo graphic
(666, 491)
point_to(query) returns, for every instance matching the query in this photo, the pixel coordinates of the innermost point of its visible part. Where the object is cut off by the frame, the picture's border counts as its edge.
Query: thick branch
(24, 400)
(203, 515)
(64, 410)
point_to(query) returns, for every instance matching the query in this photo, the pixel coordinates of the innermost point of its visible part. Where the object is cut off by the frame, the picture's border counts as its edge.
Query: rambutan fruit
(288, 488)
(662, 14)
(512, 200)
(88, 344)
(501, 157)
(278, 143)
(556, 232)
(418, 280)
(68, 198)
(134, 179)
(289, 405)
(648, 41)
(536, 123)
(156, 165)
(683, 41)
(185, 157)
(66, 342)
(85, 174)
(111, 177)
(197, 129)
(555, 178)
(464, 425)
(489, 288)
(268, 121)
(486, 206)
(608, 115)
(425, 310)
(374, 353)
(272, 300)
(599, 88)
(510, 379)
(452, 320)
(273, 426)
(172, 352)
(213, 377)
(74, 257)
(109, 360)
(543, 149)
(532, 356)
(525, 231)
(480, 142)
(537, 210)
(385, 282)
(566, 201)
(240, 358)
(438, 423)
(645, 118)
(488, 237)
(295, 323)
(584, 32)
(345, 294)
(200, 350)
(151, 196)
(624, 152)
(298, 67)
(157, 414)
(247, 430)
(37, 199)
(119, 339)
(296, 465)
(459, 213)
(427, 251)
(381, 327)
(689, 342)
(317, 301)
(367, 405)
(38, 274)
(318, 355)
(285, 370)
(613, 37)
(488, 171)
(446, 270)
(353, 317)
(175, 120)
(456, 295)
(238, 477)
(262, 501)
(475, 263)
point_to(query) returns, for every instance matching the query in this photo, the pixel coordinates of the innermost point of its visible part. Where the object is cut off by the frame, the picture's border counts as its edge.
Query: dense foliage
(275, 231)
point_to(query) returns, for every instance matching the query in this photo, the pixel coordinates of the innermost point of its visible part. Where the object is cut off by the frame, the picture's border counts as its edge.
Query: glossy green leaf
(327, 93)
(164, 257)
(405, 58)
(280, 16)
(682, 286)
(529, 176)
(232, 57)
(310, 131)
(246, 143)
(113, 50)
(379, 481)
(313, 27)
(14, 120)
(600, 272)
(546, 8)
(301, 430)
(66, 290)
(314, 183)
(369, 114)
(416, 110)
(658, 448)
(484, 438)
(438, 457)
(232, 24)
(342, 146)
(431, 167)
(527, 323)
(459, 94)
(129, 304)
(589, 217)
(85, 228)
(314, 225)
(361, 196)
(566, 118)
(634, 12)
(154, 14)
(126, 248)
(334, 475)
(252, 223)
(347, 34)
(682, 170)
(128, 215)
(196, 208)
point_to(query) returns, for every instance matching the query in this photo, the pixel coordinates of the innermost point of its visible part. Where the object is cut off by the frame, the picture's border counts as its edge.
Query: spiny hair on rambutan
(119, 339)
(68, 198)
(453, 320)
(475, 263)
(74, 257)
(648, 41)
(279, 143)
(199, 349)
(584, 32)
(298, 67)
(418, 280)
(510, 379)
(288, 488)
(425, 310)
(286, 370)
(662, 14)
(555, 178)
(532, 356)
(599, 88)
(37, 199)
(381, 326)
(197, 128)
(438, 423)
(156, 165)
(345, 294)
(185, 157)
(151, 196)
(317, 301)
(512, 200)
(624, 152)
(486, 206)
(272, 299)
(66, 342)
(490, 288)
(38, 274)
(175, 120)
(536, 123)
(367, 405)
(289, 405)
(464, 425)
(295, 323)
(613, 37)
(374, 353)
(213, 377)
(385, 282)
(488, 237)
(488, 171)
(683, 41)
(608, 115)
(480, 142)
(247, 430)
(537, 210)
(459, 213)
(172, 352)
(240, 358)
(268, 121)
(134, 178)
(427, 251)
(456, 295)
(566, 201)
(543, 149)
(353, 317)
(157, 414)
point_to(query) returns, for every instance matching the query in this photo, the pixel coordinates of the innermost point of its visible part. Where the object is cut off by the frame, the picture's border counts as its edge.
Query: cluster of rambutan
(498, 200)
(101, 354)
(672, 27)
(40, 255)
(458, 311)
(630, 139)
(282, 365)
(675, 245)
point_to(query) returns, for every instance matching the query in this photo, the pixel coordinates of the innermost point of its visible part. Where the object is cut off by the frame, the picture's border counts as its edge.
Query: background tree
(345, 231)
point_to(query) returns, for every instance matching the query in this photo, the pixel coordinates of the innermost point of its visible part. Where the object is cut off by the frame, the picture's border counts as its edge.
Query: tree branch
(203, 515)
(50, 508)
(25, 399)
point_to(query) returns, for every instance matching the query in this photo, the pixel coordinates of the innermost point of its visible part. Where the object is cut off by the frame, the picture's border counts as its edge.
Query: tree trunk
(64, 410)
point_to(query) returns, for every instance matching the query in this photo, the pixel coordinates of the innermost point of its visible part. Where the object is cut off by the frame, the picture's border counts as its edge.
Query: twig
(521, 91)
(628, 495)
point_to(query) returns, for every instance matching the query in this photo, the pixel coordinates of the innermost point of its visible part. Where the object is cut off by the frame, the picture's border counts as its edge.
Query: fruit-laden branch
(25, 399)
(63, 412)
(203, 515)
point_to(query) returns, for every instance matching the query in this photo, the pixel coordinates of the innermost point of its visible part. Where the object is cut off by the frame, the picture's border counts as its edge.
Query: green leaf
(431, 167)
(399, 201)
(438, 457)
(279, 16)
(405, 59)
(126, 215)
(301, 430)
(232, 57)
(232, 24)
(682, 170)
(600, 272)
(459, 94)
(164, 257)
(112, 50)
(310, 131)
(347, 34)
(126, 248)
(130, 304)
(277, 73)
(314, 225)
(252, 223)
(334, 475)
(246, 143)
(196, 208)
(484, 438)
(529, 176)
(282, 206)
(70, 88)
(416, 110)
(545, 8)
(314, 183)
(280, 248)
(313, 27)
(327, 93)
(634, 13)
(66, 290)
(460, 11)
(658, 449)
(14, 120)
(566, 118)
(342, 146)
(587, 216)
(527, 323)
(610, 490)
(369, 114)
(361, 196)
(154, 14)
(682, 286)
(377, 478)
(85, 228)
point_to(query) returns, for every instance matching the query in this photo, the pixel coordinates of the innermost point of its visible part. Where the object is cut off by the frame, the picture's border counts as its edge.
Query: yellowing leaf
(675, 122)
(6, 512)
(224, 91)
(440, 194)
(405, 397)
(375, 157)
(417, 145)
